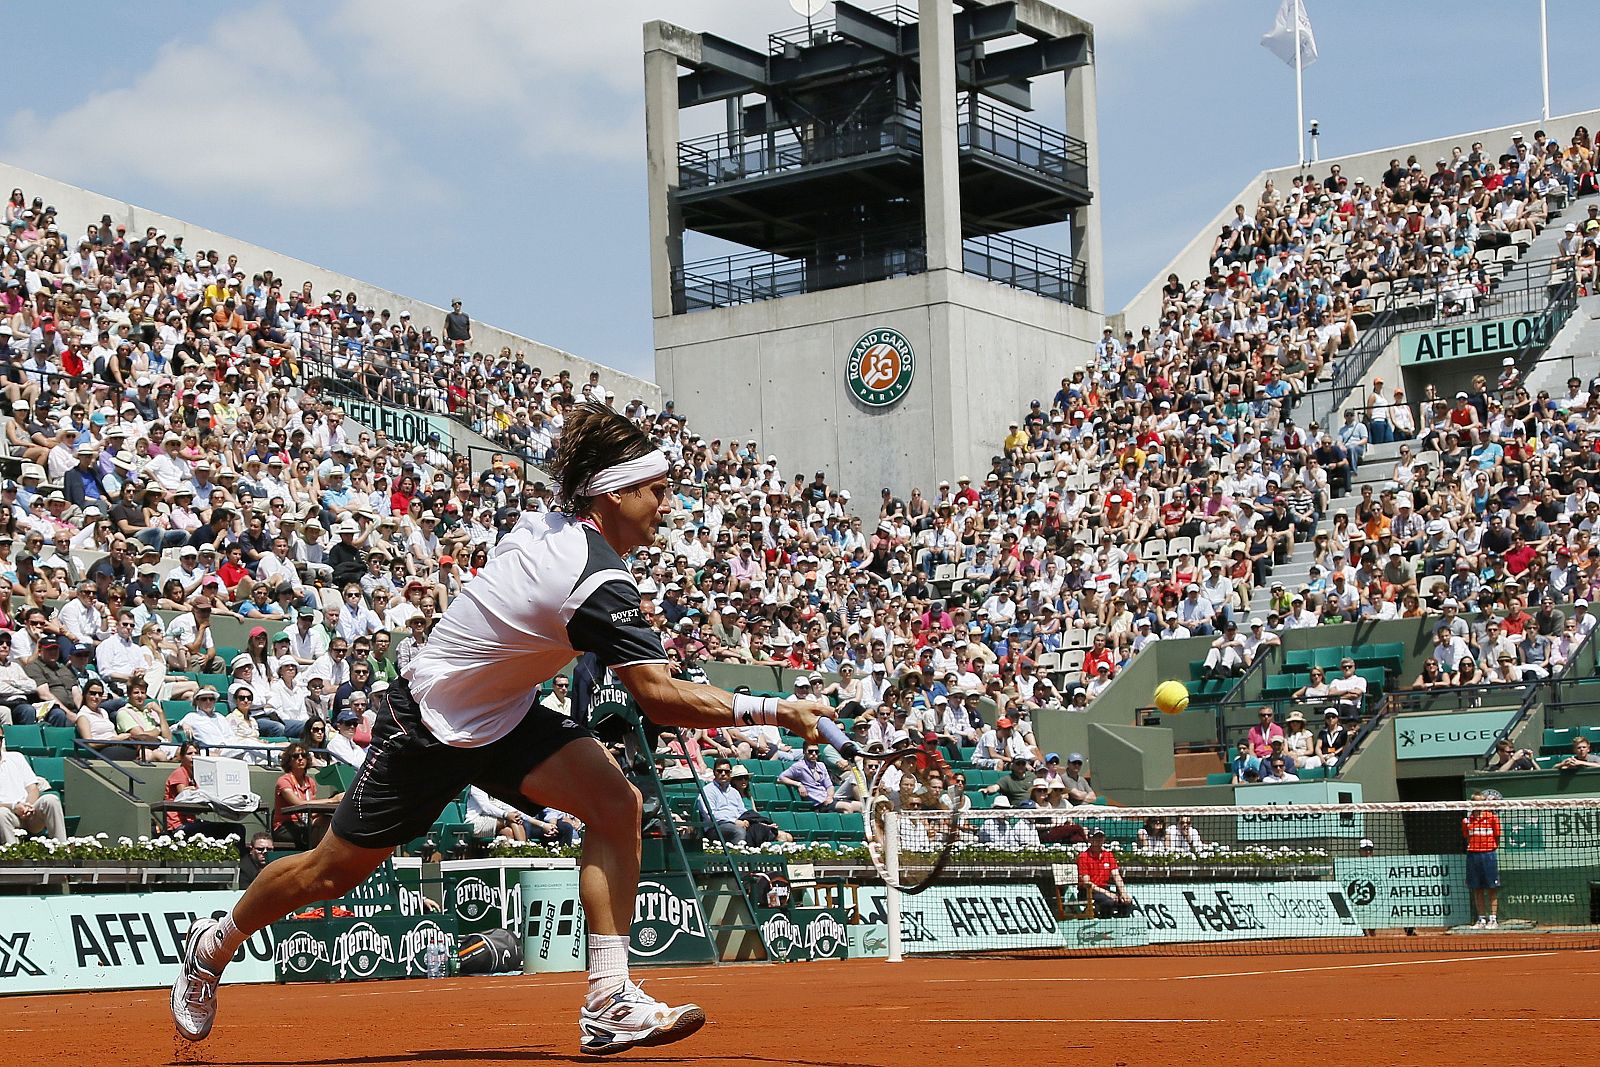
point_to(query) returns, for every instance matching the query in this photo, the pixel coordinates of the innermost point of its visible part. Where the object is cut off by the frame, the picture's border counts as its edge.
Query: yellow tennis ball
(1171, 697)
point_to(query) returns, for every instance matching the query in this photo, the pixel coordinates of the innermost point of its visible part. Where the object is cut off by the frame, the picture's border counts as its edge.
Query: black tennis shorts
(409, 775)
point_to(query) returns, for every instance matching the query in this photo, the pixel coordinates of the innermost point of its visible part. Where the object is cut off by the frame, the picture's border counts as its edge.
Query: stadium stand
(185, 505)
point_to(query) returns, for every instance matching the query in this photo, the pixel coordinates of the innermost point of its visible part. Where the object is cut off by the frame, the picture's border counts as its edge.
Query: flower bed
(176, 850)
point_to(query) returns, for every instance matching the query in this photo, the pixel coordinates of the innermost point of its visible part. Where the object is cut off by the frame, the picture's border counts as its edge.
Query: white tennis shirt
(552, 589)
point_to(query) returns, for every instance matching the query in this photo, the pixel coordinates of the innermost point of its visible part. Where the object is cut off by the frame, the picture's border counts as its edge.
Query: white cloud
(1115, 20)
(248, 111)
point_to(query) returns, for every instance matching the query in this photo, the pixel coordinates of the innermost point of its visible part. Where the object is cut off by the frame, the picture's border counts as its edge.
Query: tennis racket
(925, 850)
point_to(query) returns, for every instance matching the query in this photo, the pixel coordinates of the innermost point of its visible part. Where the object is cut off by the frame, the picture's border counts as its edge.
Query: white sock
(608, 966)
(224, 942)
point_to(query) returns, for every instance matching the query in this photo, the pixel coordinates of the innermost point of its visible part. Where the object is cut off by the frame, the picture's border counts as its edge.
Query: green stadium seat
(219, 682)
(176, 709)
(50, 768)
(1219, 778)
(807, 826)
(28, 740)
(1327, 658)
(770, 797)
(60, 740)
(1556, 739)
(1282, 685)
(1298, 659)
(1377, 678)
(335, 778)
(226, 653)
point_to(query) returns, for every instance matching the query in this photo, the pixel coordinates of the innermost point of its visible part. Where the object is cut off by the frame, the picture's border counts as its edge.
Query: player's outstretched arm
(670, 702)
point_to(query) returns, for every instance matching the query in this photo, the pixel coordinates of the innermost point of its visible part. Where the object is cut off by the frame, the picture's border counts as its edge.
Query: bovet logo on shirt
(625, 616)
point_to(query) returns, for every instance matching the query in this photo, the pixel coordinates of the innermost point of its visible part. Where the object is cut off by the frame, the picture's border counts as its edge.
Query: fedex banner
(113, 941)
(1244, 911)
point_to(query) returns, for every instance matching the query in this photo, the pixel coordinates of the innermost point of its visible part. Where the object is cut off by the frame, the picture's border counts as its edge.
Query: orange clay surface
(1512, 1008)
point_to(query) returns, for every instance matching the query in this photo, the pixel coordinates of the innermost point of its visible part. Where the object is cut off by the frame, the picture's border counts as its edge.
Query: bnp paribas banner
(113, 941)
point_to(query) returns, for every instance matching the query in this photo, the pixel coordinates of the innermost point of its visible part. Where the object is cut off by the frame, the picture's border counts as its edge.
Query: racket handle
(835, 736)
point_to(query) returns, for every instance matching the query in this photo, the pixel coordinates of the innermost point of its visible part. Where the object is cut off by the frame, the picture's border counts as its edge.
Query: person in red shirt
(234, 570)
(1097, 655)
(1097, 873)
(1481, 828)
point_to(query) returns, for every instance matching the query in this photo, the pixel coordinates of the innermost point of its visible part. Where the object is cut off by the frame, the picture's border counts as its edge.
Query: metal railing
(983, 128)
(869, 256)
(821, 31)
(726, 157)
(1024, 266)
(1412, 308)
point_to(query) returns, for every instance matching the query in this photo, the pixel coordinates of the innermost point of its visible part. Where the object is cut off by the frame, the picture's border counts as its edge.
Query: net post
(891, 890)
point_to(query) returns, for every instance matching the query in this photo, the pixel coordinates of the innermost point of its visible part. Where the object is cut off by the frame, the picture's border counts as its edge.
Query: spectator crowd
(178, 456)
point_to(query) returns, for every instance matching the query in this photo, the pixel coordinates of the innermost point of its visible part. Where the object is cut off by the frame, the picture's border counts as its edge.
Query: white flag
(1280, 42)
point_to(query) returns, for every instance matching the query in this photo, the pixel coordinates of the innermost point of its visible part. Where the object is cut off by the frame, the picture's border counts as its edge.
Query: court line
(1242, 974)
(1356, 966)
(1490, 1020)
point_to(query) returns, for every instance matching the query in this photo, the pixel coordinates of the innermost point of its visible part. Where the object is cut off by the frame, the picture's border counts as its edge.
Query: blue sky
(495, 150)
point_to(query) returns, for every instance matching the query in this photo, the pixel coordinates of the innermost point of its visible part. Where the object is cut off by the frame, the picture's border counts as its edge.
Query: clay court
(1143, 1012)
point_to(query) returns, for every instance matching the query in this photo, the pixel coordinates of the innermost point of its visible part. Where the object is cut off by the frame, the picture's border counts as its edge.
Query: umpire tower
(880, 319)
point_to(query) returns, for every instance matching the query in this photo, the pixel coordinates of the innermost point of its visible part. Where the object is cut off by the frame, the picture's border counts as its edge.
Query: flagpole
(1300, 95)
(1544, 56)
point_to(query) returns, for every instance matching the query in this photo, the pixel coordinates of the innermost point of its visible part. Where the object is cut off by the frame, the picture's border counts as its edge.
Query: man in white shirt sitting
(204, 725)
(25, 800)
(119, 656)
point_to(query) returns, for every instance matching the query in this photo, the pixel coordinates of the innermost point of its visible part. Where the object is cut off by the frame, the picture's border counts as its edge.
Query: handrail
(1553, 682)
(80, 745)
(1395, 316)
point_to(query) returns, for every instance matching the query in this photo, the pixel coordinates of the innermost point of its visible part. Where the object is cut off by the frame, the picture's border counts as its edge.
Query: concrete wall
(775, 371)
(78, 207)
(1191, 261)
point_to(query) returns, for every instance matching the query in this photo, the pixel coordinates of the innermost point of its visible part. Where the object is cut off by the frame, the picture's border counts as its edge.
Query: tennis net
(1271, 878)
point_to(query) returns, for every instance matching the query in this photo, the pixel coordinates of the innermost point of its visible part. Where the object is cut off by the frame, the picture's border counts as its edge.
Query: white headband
(627, 474)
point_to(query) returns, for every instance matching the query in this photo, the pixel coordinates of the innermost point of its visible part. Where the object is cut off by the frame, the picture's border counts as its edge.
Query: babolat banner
(1385, 891)
(668, 926)
(969, 918)
(358, 948)
(1497, 337)
(113, 941)
(1461, 733)
(804, 934)
(398, 424)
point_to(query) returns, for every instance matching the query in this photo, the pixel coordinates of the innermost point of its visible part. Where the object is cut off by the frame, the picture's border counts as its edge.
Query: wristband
(754, 711)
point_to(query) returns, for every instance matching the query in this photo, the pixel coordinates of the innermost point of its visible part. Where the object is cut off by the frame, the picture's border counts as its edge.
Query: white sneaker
(1494, 922)
(1483, 921)
(631, 1019)
(194, 994)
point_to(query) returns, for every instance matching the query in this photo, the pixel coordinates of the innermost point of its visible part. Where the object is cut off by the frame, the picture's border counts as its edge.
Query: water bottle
(434, 959)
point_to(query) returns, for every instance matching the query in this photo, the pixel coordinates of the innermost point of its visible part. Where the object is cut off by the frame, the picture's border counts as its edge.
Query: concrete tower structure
(882, 322)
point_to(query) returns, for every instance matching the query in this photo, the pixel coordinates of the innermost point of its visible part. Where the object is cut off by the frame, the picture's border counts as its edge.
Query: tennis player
(464, 713)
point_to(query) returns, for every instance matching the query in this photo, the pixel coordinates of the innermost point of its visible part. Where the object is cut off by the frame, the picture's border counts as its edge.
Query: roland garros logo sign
(880, 368)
